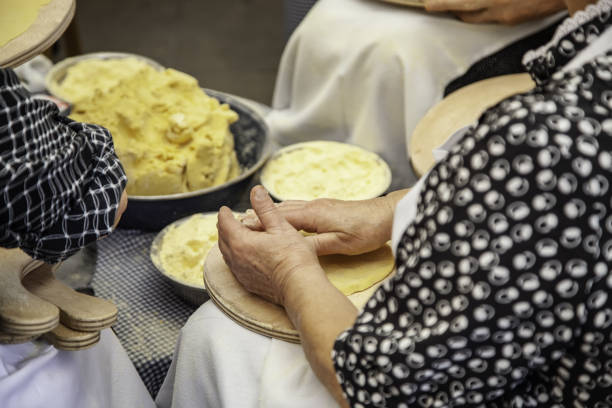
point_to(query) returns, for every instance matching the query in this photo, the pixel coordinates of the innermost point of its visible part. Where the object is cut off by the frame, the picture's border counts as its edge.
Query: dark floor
(228, 45)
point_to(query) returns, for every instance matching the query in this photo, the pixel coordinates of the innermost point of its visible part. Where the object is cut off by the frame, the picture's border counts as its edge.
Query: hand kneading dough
(169, 135)
(352, 274)
(185, 247)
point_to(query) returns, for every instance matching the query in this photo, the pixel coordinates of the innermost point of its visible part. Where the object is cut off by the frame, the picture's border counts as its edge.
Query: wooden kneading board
(459, 109)
(252, 311)
(22, 314)
(410, 3)
(33, 303)
(50, 24)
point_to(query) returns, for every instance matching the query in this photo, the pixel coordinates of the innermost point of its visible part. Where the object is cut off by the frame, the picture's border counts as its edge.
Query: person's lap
(35, 374)
(219, 363)
(365, 72)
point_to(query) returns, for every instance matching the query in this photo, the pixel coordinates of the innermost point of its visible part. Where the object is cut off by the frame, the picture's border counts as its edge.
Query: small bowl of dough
(185, 149)
(179, 250)
(325, 169)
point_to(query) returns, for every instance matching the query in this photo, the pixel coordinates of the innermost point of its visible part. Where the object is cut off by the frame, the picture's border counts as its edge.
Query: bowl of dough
(185, 149)
(325, 169)
(179, 251)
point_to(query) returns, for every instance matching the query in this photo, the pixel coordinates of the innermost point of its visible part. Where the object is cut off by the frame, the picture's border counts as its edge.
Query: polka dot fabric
(503, 291)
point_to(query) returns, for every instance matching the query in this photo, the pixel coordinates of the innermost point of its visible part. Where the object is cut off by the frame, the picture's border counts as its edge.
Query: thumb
(266, 210)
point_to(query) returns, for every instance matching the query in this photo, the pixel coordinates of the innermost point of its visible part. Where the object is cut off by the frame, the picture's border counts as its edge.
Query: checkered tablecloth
(150, 313)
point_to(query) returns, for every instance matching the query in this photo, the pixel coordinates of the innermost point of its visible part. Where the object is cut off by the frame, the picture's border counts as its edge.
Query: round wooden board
(410, 3)
(52, 21)
(252, 311)
(459, 109)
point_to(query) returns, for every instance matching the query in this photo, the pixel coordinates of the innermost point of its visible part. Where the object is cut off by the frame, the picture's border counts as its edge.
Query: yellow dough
(352, 274)
(169, 135)
(325, 169)
(185, 247)
(16, 16)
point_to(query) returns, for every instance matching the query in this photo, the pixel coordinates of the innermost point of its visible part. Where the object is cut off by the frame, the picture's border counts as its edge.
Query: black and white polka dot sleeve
(60, 180)
(501, 292)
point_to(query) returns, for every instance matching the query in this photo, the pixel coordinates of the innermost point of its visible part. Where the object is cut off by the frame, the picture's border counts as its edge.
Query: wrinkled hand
(508, 12)
(341, 227)
(266, 261)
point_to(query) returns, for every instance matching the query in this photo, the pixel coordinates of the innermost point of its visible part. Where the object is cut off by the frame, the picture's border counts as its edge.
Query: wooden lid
(459, 109)
(252, 311)
(53, 19)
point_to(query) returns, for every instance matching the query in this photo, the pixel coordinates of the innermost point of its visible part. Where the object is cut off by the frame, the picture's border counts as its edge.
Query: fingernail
(261, 193)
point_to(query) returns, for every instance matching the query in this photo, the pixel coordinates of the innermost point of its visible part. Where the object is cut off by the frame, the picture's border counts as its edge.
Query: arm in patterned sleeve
(61, 180)
(502, 292)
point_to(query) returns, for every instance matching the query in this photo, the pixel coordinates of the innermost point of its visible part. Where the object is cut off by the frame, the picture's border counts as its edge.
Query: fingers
(503, 15)
(330, 243)
(324, 244)
(228, 226)
(300, 215)
(454, 5)
(475, 17)
(266, 210)
(464, 5)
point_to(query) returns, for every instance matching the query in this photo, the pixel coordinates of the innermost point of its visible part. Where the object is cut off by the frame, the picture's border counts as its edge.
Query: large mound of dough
(169, 135)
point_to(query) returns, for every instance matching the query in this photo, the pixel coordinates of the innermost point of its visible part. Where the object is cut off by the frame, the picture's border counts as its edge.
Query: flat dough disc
(352, 274)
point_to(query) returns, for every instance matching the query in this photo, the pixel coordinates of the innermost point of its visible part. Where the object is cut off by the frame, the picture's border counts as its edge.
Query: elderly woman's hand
(265, 262)
(497, 11)
(341, 227)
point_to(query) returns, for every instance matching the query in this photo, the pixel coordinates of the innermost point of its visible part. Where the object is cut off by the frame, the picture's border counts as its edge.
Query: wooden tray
(459, 109)
(52, 21)
(410, 3)
(251, 311)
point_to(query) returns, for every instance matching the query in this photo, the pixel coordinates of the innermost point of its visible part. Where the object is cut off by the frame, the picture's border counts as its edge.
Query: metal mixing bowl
(195, 295)
(251, 143)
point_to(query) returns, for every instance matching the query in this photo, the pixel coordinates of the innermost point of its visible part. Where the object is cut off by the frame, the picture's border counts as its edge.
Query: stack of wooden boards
(33, 303)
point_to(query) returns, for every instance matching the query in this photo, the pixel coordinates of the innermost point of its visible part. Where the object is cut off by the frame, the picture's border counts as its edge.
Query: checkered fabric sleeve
(60, 180)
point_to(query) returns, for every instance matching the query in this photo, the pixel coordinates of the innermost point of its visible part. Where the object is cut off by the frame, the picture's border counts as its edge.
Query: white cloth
(366, 72)
(37, 375)
(218, 363)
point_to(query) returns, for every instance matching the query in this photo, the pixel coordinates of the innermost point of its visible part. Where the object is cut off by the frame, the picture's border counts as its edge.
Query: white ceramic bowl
(309, 171)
